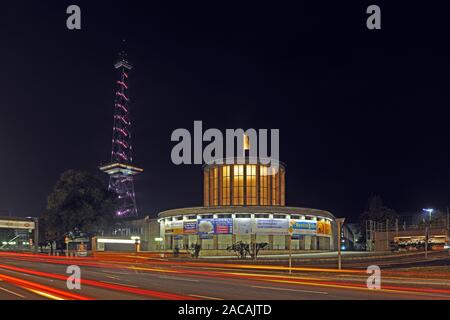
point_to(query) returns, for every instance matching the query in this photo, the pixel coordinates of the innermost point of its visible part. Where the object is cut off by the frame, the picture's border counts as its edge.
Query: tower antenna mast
(121, 170)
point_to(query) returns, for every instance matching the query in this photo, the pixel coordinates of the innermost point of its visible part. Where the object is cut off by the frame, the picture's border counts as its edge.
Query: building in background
(409, 232)
(132, 235)
(348, 237)
(18, 234)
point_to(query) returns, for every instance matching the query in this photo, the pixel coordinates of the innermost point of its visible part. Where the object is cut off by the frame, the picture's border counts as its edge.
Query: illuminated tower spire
(121, 170)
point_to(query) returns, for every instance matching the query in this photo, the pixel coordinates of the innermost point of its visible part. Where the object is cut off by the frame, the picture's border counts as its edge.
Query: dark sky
(359, 111)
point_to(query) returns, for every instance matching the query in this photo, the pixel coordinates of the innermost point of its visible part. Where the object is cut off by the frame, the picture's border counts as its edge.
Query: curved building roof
(246, 209)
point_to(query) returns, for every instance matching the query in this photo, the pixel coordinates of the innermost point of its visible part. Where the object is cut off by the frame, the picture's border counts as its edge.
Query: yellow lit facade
(244, 185)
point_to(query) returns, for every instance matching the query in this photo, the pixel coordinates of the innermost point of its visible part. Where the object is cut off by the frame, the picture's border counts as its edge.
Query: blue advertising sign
(190, 227)
(223, 226)
(308, 227)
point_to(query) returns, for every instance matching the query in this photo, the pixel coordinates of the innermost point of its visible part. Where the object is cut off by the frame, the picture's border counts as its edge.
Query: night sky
(359, 111)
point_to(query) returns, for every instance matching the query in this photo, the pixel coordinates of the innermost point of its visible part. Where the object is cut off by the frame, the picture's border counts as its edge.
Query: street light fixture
(429, 211)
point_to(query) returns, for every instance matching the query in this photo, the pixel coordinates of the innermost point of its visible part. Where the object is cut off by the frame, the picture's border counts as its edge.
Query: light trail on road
(238, 275)
(119, 287)
(43, 289)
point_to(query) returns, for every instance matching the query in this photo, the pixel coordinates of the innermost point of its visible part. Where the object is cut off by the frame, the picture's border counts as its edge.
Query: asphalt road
(32, 277)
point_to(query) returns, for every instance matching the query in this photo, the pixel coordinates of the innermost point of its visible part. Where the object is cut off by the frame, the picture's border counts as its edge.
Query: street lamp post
(291, 232)
(340, 222)
(429, 211)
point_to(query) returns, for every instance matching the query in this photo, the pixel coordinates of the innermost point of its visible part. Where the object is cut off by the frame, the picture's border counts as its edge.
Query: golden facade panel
(244, 185)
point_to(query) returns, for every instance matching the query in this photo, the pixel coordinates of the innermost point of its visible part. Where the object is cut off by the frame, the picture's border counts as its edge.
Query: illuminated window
(206, 188)
(251, 185)
(238, 185)
(226, 186)
(264, 186)
(275, 187)
(214, 186)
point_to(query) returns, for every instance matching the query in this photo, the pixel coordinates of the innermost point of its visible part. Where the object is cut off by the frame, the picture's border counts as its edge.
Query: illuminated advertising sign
(328, 228)
(304, 227)
(223, 226)
(271, 226)
(324, 228)
(205, 226)
(190, 227)
(174, 227)
(11, 224)
(242, 226)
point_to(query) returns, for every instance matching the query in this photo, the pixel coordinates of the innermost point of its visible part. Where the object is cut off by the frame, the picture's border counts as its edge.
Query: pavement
(135, 277)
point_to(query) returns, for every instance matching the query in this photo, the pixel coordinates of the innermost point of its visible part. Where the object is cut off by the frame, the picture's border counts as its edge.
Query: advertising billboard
(324, 228)
(304, 227)
(205, 226)
(271, 226)
(242, 226)
(190, 227)
(223, 226)
(174, 227)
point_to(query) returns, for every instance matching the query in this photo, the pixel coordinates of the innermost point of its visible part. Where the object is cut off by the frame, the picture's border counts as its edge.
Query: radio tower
(121, 170)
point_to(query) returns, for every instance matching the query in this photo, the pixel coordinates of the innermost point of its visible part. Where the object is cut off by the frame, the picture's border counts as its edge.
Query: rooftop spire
(123, 60)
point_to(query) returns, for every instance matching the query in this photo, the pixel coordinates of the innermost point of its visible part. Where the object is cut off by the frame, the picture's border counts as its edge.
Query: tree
(256, 247)
(239, 248)
(377, 211)
(242, 249)
(79, 201)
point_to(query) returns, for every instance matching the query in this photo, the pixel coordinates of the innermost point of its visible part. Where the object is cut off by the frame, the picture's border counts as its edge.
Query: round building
(246, 202)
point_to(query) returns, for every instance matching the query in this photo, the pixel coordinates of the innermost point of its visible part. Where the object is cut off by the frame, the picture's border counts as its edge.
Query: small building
(411, 240)
(131, 235)
(18, 234)
(409, 232)
(348, 237)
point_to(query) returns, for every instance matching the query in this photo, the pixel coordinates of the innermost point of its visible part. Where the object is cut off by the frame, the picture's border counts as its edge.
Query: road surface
(128, 277)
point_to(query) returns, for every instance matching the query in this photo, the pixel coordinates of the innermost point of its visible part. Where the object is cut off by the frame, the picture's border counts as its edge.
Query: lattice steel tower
(121, 170)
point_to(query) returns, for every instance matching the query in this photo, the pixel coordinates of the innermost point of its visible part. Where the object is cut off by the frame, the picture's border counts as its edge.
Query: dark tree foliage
(239, 248)
(79, 201)
(242, 249)
(377, 212)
